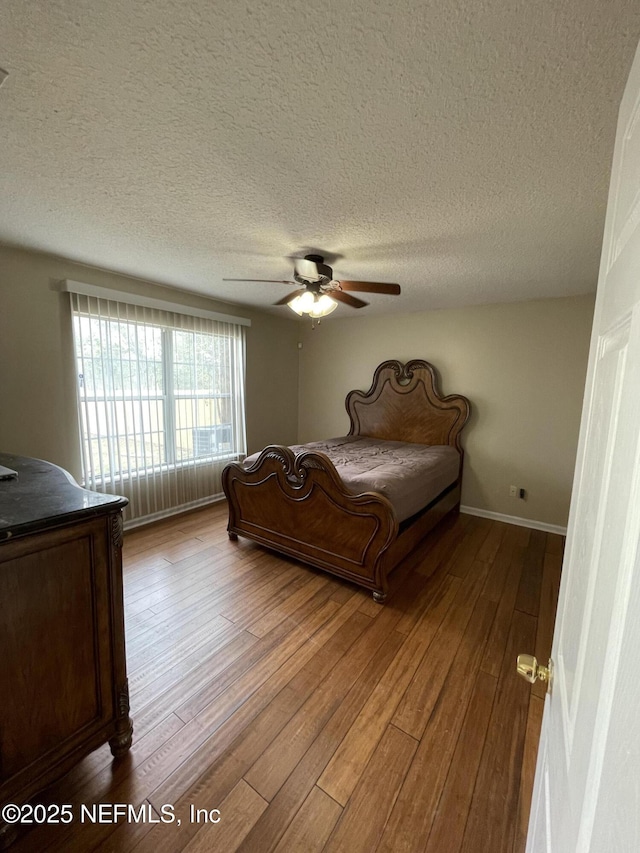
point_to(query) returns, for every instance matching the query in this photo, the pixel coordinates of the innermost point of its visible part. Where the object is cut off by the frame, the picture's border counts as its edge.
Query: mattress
(410, 476)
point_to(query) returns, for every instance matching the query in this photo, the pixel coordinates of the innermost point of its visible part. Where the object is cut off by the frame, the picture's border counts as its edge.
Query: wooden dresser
(63, 683)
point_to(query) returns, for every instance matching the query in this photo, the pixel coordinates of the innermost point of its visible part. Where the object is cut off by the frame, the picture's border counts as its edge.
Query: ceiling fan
(321, 293)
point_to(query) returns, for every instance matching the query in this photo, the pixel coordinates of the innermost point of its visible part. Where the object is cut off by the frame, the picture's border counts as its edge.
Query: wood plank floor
(312, 718)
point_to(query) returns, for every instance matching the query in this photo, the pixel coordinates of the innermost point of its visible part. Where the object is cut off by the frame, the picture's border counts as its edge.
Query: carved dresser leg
(232, 536)
(120, 743)
(379, 597)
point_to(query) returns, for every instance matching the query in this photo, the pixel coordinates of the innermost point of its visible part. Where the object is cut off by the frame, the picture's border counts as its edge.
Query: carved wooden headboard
(404, 404)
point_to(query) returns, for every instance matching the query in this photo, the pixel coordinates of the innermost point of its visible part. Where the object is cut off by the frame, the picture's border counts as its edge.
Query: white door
(587, 787)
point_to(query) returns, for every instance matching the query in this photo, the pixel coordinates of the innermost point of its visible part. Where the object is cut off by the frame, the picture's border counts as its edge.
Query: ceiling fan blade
(339, 296)
(290, 297)
(371, 287)
(270, 280)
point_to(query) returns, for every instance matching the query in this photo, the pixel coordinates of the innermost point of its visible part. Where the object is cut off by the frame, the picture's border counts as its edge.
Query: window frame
(168, 397)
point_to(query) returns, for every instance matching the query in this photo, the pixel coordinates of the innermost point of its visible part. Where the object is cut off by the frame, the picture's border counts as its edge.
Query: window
(158, 392)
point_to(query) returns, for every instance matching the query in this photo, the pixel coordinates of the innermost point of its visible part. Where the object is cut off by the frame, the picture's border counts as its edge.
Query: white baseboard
(176, 510)
(467, 510)
(515, 519)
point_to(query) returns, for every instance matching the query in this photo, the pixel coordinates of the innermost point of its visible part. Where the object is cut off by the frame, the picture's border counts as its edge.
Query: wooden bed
(297, 504)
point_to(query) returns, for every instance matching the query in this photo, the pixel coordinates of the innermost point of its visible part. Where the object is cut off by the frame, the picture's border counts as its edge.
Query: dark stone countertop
(44, 496)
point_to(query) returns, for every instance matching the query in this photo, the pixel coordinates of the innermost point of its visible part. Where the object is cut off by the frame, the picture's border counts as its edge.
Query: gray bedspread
(409, 475)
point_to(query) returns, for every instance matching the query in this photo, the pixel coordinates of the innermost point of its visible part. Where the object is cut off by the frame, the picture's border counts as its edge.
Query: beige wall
(522, 365)
(37, 400)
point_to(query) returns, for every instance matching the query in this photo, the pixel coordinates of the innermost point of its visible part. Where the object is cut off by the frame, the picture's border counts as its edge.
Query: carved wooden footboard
(299, 506)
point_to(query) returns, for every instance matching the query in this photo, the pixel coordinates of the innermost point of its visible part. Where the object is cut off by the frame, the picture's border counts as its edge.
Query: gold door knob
(529, 669)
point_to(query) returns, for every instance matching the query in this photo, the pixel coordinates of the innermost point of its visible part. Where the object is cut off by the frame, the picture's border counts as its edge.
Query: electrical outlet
(513, 491)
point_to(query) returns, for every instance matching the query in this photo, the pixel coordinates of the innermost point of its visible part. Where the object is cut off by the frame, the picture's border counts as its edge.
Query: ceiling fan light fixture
(313, 304)
(323, 305)
(302, 304)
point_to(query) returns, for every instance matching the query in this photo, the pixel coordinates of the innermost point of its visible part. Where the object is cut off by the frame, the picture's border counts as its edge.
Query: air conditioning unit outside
(210, 441)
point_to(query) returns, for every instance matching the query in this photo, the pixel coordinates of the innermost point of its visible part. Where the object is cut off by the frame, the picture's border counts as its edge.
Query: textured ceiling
(461, 149)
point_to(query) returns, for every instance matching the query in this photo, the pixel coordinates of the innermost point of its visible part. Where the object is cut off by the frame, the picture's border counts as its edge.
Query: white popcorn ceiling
(462, 149)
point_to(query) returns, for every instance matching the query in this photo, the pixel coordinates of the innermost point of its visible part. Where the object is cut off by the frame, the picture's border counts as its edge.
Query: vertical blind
(160, 402)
